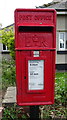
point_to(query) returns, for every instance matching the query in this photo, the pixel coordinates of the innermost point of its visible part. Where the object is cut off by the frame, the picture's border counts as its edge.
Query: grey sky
(7, 8)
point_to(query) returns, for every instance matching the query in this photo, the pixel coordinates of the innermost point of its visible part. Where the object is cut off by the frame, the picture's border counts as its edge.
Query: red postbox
(35, 44)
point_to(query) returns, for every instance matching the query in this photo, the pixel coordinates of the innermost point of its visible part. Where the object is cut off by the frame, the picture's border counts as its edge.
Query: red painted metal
(35, 30)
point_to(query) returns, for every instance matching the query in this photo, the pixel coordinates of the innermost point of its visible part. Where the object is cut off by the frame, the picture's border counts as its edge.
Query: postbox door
(34, 91)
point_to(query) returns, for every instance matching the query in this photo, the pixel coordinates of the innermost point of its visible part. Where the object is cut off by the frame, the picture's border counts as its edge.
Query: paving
(10, 96)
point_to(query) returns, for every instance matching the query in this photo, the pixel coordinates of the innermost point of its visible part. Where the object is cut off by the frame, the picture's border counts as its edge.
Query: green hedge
(8, 73)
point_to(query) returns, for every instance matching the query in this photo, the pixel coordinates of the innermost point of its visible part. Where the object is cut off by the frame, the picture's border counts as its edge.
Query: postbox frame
(20, 58)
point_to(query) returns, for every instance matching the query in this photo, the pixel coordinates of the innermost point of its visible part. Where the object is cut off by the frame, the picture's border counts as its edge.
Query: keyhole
(24, 77)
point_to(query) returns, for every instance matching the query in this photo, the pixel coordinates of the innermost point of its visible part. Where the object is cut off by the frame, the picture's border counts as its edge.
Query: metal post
(34, 113)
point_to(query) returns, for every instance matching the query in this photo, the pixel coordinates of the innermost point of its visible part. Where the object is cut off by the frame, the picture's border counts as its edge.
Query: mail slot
(35, 46)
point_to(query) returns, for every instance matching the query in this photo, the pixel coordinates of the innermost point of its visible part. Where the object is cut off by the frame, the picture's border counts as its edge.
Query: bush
(58, 109)
(8, 73)
(60, 88)
(14, 113)
(8, 40)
